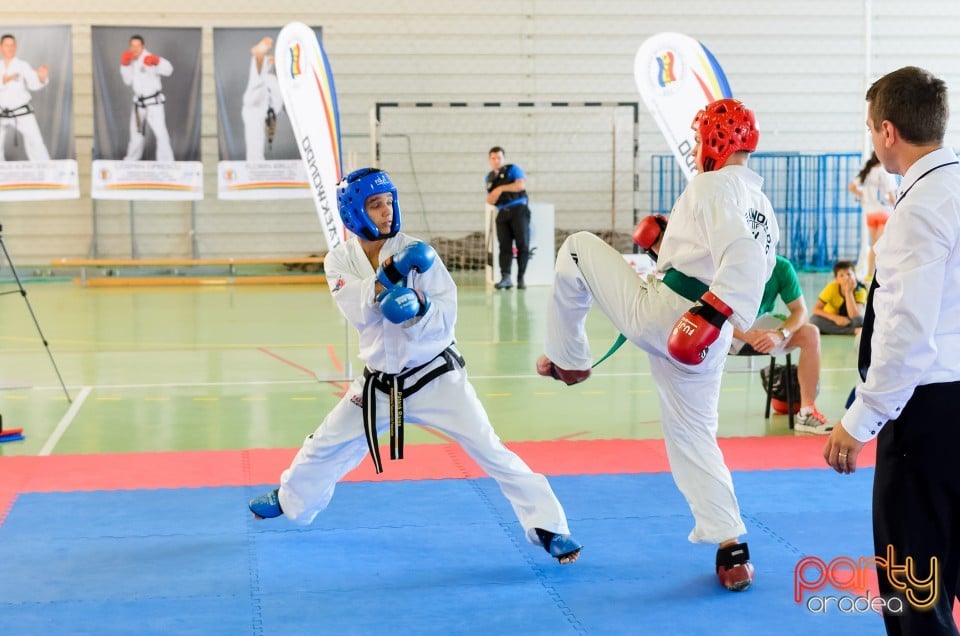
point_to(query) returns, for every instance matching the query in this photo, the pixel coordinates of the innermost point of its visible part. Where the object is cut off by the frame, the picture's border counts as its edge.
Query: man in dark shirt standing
(506, 189)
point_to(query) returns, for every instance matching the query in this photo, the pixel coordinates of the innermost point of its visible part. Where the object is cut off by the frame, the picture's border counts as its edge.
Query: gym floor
(124, 510)
(236, 366)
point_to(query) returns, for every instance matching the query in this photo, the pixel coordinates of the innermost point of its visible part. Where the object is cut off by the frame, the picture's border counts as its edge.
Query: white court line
(65, 421)
(251, 383)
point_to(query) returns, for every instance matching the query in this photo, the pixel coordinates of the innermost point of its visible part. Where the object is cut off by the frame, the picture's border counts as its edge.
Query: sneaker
(521, 284)
(266, 506)
(810, 420)
(505, 283)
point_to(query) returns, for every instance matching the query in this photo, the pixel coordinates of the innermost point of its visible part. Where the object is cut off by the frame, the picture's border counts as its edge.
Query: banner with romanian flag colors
(677, 76)
(310, 99)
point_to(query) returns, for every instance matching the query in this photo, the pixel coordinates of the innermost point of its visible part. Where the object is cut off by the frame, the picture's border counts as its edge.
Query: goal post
(579, 157)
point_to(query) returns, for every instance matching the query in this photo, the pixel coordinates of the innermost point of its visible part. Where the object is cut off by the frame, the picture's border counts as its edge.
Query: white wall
(799, 65)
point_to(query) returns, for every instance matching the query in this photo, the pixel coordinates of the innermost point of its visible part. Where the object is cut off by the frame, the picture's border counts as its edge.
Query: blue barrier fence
(819, 218)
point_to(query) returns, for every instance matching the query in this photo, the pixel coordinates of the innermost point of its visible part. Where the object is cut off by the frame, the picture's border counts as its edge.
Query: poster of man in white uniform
(259, 157)
(141, 70)
(37, 152)
(147, 100)
(19, 80)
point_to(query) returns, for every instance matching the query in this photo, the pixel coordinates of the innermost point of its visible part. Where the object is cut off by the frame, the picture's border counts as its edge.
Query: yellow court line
(302, 399)
(15, 397)
(205, 399)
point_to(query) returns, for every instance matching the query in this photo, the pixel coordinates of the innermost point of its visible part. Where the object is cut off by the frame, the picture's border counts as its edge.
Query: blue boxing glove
(417, 256)
(400, 304)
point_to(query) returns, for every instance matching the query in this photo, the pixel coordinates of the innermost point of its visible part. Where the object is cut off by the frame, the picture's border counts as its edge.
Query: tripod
(23, 292)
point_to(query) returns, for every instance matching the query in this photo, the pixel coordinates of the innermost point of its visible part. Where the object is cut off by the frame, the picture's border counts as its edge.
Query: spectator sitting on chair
(840, 306)
(773, 335)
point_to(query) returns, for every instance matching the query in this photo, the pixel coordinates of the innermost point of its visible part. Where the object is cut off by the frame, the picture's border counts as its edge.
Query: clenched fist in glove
(400, 304)
(417, 256)
(697, 329)
(127, 57)
(648, 233)
(151, 60)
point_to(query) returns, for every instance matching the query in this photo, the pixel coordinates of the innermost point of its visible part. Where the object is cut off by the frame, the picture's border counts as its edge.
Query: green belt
(688, 287)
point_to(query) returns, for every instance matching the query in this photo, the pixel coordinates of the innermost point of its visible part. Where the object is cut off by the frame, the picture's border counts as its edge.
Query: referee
(910, 361)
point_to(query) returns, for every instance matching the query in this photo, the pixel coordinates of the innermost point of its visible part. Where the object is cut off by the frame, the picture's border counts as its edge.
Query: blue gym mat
(422, 557)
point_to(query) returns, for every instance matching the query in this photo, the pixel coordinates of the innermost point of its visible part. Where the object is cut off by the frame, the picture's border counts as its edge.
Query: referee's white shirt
(916, 336)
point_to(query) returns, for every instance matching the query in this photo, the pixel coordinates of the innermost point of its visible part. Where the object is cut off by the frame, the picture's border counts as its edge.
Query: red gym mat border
(212, 468)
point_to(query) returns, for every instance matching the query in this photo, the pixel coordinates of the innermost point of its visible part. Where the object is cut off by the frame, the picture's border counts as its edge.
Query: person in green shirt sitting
(775, 334)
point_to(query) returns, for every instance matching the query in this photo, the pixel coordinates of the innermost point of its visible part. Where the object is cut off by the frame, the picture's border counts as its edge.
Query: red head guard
(725, 126)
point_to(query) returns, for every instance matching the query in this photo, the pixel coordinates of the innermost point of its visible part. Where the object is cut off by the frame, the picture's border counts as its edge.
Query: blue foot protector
(563, 547)
(267, 505)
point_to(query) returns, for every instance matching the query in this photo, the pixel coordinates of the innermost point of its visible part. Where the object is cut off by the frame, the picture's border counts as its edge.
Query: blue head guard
(353, 192)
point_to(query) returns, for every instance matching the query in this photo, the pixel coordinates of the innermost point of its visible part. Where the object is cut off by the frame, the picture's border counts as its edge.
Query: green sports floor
(237, 367)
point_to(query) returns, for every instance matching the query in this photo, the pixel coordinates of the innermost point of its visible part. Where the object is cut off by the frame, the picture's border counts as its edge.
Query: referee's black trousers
(916, 509)
(513, 226)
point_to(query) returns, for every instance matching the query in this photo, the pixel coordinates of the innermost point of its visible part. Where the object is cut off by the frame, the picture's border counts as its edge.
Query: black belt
(141, 100)
(10, 113)
(392, 385)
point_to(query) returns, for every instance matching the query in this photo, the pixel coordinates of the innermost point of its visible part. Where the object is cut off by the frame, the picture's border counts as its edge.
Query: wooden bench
(231, 265)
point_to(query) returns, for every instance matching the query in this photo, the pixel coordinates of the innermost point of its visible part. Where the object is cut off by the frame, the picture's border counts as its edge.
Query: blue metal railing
(819, 218)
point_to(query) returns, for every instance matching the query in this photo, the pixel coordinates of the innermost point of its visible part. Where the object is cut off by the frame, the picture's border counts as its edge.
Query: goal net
(579, 157)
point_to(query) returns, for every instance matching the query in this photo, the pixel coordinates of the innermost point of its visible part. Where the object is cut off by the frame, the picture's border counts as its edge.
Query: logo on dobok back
(677, 76)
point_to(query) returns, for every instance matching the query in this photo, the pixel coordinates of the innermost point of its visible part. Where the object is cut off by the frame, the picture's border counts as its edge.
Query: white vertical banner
(310, 99)
(676, 77)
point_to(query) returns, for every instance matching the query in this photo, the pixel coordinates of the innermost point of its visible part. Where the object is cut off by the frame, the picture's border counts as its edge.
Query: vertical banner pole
(194, 247)
(134, 252)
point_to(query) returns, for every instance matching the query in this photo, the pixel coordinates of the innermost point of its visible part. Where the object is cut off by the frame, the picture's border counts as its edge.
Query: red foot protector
(734, 568)
(572, 376)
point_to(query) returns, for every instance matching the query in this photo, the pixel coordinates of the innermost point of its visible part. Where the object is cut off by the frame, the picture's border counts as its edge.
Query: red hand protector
(649, 230)
(697, 329)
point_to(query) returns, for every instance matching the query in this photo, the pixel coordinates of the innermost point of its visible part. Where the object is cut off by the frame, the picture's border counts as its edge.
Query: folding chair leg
(773, 362)
(790, 398)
